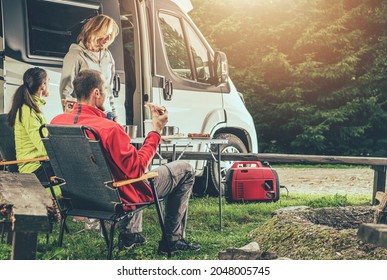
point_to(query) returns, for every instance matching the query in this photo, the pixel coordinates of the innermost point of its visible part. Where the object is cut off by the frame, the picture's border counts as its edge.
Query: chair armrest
(130, 181)
(23, 160)
(57, 181)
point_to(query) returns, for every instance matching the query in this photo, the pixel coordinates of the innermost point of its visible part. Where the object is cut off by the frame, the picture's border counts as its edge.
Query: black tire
(234, 145)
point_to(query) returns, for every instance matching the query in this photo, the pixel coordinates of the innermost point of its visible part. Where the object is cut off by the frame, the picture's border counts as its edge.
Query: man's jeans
(174, 183)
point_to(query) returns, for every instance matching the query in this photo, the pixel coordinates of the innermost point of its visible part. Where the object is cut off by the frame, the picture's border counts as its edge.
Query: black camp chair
(7, 144)
(90, 191)
(9, 163)
(8, 153)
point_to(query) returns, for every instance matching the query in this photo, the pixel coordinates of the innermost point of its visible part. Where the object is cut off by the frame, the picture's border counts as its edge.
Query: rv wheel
(234, 145)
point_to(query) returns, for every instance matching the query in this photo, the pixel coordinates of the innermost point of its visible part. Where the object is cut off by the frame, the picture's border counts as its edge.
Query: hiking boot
(129, 240)
(177, 246)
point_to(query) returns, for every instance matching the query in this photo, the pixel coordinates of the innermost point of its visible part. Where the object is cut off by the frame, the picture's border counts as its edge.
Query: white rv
(160, 55)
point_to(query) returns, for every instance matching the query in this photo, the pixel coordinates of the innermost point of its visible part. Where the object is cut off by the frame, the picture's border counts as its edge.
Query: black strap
(78, 113)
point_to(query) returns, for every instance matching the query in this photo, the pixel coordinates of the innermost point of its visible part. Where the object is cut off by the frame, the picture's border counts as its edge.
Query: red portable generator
(251, 181)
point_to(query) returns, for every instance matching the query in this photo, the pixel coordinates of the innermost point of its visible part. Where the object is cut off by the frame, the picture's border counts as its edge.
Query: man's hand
(159, 117)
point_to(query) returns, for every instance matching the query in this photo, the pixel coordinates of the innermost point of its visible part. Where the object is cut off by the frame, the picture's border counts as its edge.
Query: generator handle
(238, 163)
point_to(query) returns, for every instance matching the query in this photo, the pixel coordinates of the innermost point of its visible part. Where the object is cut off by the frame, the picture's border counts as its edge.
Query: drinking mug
(170, 130)
(131, 130)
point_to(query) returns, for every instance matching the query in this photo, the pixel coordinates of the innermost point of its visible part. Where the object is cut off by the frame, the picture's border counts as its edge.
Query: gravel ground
(327, 180)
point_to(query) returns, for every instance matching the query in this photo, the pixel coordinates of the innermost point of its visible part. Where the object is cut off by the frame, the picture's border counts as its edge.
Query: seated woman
(26, 116)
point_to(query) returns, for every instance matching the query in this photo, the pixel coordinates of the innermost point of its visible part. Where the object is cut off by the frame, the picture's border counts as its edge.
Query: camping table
(186, 142)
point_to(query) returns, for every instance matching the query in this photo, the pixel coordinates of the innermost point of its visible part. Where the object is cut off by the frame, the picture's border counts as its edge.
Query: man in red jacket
(174, 180)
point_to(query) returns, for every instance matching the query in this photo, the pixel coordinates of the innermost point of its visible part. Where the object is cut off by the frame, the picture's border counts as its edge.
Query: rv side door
(183, 77)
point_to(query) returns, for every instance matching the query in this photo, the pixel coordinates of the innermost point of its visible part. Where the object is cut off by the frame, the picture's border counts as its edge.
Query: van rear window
(53, 26)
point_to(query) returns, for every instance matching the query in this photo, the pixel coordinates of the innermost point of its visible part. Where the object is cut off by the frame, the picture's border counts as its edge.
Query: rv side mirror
(220, 68)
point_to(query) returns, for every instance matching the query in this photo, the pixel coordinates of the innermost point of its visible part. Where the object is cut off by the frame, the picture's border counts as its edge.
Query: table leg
(220, 189)
(160, 157)
(379, 181)
(173, 152)
(24, 246)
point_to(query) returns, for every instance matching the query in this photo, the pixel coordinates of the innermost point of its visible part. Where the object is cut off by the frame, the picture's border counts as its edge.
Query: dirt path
(327, 180)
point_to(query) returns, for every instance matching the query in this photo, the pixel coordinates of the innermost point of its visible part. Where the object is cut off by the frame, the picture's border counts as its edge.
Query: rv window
(53, 26)
(175, 45)
(200, 56)
(175, 41)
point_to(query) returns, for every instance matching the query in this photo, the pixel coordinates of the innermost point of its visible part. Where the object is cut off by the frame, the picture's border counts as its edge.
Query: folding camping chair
(9, 163)
(7, 144)
(8, 151)
(90, 191)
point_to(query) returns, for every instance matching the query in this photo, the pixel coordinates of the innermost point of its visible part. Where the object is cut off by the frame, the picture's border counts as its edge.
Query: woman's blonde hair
(97, 27)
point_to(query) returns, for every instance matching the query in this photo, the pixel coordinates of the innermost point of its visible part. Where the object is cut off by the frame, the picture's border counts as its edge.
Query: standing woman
(91, 52)
(26, 116)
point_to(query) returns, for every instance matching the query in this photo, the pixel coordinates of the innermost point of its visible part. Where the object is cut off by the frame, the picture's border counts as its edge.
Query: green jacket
(28, 143)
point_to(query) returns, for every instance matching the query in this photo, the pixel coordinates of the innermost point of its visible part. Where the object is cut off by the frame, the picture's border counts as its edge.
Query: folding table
(186, 142)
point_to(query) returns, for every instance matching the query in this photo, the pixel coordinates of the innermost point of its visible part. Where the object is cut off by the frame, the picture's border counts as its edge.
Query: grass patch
(203, 227)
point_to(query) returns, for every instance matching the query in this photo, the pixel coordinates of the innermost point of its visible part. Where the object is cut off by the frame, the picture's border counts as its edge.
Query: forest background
(313, 72)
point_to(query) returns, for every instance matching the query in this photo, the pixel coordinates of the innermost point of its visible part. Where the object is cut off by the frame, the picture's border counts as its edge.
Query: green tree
(313, 71)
